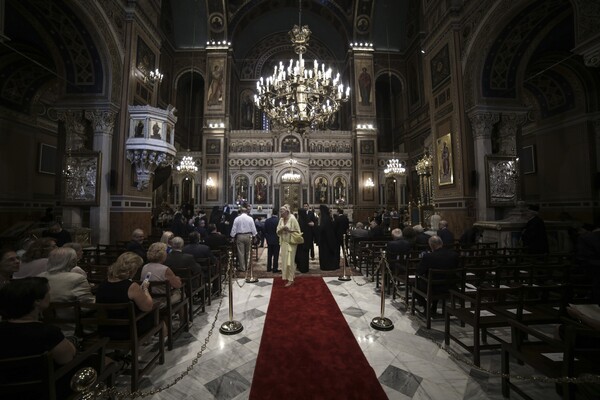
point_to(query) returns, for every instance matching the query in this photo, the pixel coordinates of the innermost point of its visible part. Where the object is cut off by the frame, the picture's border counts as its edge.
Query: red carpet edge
(308, 351)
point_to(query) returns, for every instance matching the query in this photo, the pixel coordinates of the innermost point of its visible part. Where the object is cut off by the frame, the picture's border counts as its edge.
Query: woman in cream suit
(287, 252)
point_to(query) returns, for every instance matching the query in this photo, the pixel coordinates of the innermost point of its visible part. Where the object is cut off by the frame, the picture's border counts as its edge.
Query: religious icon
(321, 190)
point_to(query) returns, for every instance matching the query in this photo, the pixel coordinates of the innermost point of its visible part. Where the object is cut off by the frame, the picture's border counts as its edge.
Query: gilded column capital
(103, 121)
(482, 123)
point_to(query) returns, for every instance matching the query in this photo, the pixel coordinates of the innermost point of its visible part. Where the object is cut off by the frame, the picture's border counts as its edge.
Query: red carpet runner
(308, 351)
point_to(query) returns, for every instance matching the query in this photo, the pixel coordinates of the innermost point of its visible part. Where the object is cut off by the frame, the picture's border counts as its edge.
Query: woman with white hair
(287, 253)
(64, 284)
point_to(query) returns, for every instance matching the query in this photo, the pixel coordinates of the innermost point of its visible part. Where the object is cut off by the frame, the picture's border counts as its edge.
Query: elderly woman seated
(66, 285)
(157, 254)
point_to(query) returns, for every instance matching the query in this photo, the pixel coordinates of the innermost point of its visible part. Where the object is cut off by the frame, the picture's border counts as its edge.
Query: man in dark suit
(178, 259)
(396, 251)
(439, 258)
(376, 231)
(137, 244)
(445, 234)
(215, 240)
(197, 249)
(272, 242)
(422, 239)
(534, 236)
(313, 223)
(342, 224)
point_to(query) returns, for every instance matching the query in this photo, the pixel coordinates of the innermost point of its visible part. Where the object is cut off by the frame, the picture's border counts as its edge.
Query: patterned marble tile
(407, 360)
(228, 386)
(400, 380)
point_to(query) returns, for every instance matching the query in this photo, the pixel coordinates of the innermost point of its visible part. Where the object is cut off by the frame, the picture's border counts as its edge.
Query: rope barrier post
(231, 327)
(251, 278)
(344, 277)
(382, 323)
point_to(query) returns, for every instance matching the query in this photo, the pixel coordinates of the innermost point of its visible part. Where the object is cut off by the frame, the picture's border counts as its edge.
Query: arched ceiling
(335, 23)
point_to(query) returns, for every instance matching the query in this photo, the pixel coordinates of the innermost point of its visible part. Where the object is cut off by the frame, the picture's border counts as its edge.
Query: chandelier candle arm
(394, 169)
(298, 97)
(187, 164)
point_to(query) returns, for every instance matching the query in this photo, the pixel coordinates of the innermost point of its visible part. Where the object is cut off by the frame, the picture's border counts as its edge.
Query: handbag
(296, 238)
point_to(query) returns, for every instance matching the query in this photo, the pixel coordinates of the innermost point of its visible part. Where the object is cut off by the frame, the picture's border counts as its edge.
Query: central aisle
(308, 351)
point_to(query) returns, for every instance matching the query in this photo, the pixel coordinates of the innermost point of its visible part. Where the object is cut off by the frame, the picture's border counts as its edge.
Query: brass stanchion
(251, 278)
(382, 323)
(231, 327)
(344, 277)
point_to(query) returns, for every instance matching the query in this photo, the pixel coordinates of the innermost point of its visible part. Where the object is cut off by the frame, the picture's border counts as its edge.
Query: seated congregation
(116, 307)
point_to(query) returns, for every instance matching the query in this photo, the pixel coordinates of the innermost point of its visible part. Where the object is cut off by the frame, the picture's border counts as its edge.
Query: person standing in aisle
(242, 230)
(272, 243)
(287, 224)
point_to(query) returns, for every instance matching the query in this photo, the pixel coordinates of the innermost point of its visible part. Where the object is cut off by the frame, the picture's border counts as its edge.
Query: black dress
(114, 293)
(302, 251)
(329, 250)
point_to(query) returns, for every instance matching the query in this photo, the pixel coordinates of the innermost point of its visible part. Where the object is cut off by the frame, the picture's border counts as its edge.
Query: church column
(75, 140)
(482, 123)
(102, 125)
(216, 110)
(366, 197)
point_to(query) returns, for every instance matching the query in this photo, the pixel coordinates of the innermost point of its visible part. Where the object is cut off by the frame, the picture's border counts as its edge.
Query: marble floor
(408, 360)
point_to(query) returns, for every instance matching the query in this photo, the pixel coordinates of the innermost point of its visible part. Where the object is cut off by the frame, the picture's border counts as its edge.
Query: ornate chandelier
(291, 176)
(187, 164)
(394, 169)
(297, 97)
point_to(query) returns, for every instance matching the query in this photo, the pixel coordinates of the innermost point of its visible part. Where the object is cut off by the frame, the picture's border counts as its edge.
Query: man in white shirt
(242, 231)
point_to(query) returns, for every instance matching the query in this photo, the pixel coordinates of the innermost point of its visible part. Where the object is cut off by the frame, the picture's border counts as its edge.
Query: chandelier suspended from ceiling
(187, 164)
(297, 96)
(394, 169)
(291, 176)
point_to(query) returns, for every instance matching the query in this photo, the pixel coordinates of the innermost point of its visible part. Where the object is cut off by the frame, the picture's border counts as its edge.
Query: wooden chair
(108, 253)
(66, 316)
(195, 290)
(38, 377)
(573, 356)
(96, 274)
(213, 283)
(479, 310)
(405, 277)
(162, 292)
(434, 288)
(122, 315)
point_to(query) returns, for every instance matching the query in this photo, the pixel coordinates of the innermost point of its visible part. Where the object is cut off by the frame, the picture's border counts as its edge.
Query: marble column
(482, 123)
(102, 125)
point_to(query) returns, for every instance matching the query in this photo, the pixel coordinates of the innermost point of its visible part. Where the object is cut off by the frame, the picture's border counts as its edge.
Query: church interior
(468, 86)
(123, 112)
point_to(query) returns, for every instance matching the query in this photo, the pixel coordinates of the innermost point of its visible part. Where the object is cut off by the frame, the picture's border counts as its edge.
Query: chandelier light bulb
(187, 164)
(302, 95)
(394, 169)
